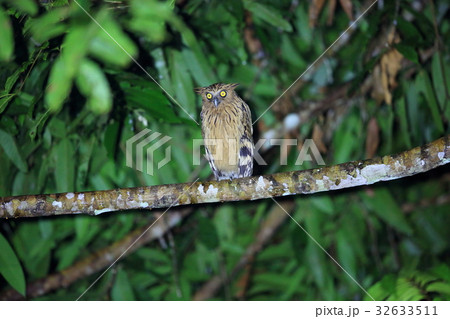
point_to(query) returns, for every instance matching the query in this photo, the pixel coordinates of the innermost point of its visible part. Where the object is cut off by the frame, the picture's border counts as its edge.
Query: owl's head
(215, 94)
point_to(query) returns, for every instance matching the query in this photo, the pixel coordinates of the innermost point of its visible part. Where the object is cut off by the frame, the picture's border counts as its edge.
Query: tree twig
(351, 174)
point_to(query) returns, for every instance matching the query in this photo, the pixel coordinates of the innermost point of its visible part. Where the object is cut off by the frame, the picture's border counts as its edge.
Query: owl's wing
(247, 119)
(246, 147)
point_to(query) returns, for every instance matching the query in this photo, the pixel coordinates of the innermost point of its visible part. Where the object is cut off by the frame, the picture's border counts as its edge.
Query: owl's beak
(216, 101)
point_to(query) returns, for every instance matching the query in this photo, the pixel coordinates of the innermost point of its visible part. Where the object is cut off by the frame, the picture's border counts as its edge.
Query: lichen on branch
(350, 174)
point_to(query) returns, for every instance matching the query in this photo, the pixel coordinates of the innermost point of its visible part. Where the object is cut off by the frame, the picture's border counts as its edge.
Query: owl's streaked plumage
(227, 131)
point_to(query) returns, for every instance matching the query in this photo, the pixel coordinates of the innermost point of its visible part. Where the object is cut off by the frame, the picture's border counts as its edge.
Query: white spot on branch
(286, 190)
(375, 172)
(9, 208)
(104, 210)
(261, 185)
(57, 204)
(23, 205)
(211, 192)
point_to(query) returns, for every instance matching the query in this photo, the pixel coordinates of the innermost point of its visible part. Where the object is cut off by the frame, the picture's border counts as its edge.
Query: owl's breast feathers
(227, 132)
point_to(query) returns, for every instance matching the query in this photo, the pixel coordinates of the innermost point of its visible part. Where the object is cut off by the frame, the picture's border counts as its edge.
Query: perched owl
(227, 131)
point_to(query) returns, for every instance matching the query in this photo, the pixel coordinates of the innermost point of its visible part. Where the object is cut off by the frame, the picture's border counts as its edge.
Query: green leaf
(412, 110)
(65, 166)
(6, 37)
(406, 290)
(57, 128)
(48, 25)
(199, 67)
(59, 85)
(122, 290)
(4, 100)
(294, 285)
(437, 74)
(42, 175)
(5, 97)
(75, 47)
(155, 256)
(402, 116)
(409, 33)
(82, 225)
(10, 267)
(148, 96)
(207, 233)
(111, 138)
(317, 264)
(345, 252)
(289, 52)
(85, 150)
(67, 253)
(38, 124)
(92, 83)
(111, 44)
(305, 33)
(382, 289)
(408, 52)
(182, 84)
(268, 14)
(46, 228)
(151, 9)
(33, 250)
(12, 79)
(384, 206)
(149, 18)
(161, 66)
(323, 203)
(442, 271)
(223, 221)
(439, 287)
(347, 138)
(423, 84)
(423, 23)
(9, 146)
(24, 6)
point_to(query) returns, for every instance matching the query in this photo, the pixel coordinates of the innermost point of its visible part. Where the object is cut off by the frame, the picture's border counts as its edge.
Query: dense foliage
(79, 78)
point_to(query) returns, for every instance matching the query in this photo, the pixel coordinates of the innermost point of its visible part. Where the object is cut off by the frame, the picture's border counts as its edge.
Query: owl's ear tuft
(233, 85)
(198, 90)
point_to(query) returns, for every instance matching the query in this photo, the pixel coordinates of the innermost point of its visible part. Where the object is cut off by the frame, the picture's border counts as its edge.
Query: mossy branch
(351, 174)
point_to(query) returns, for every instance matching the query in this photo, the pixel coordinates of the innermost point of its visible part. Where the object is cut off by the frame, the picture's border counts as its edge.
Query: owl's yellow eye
(223, 93)
(209, 96)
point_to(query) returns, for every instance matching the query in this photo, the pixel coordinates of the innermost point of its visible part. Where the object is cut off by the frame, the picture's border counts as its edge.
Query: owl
(227, 131)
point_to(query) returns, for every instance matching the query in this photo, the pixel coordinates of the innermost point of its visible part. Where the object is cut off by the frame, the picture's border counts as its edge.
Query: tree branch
(351, 174)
